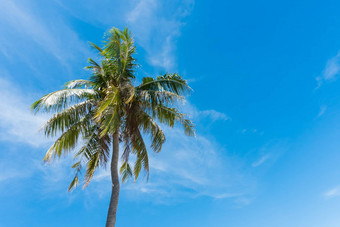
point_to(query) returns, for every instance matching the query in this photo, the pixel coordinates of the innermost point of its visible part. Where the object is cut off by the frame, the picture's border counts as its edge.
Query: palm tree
(91, 116)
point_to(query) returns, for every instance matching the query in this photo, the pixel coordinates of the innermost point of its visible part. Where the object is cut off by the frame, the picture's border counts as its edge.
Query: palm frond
(125, 171)
(113, 45)
(91, 167)
(138, 147)
(75, 182)
(96, 47)
(150, 127)
(111, 99)
(96, 152)
(170, 116)
(155, 97)
(168, 82)
(78, 84)
(58, 100)
(108, 111)
(62, 120)
(68, 140)
(93, 143)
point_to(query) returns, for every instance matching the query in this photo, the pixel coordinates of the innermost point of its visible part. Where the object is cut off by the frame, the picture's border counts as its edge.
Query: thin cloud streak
(331, 71)
(214, 115)
(262, 160)
(332, 68)
(331, 193)
(322, 111)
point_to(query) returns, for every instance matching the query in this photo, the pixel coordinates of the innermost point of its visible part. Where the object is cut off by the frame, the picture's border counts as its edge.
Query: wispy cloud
(332, 68)
(331, 193)
(322, 111)
(262, 160)
(331, 71)
(269, 153)
(214, 115)
(157, 25)
(22, 22)
(251, 131)
(8, 173)
(188, 167)
(17, 122)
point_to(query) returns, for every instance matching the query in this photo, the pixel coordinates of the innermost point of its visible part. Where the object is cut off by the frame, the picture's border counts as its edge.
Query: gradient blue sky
(266, 103)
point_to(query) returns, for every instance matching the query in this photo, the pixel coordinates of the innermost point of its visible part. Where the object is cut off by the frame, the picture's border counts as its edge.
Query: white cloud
(17, 122)
(251, 130)
(144, 9)
(14, 169)
(157, 26)
(269, 153)
(196, 114)
(8, 173)
(334, 192)
(214, 115)
(23, 29)
(262, 160)
(24, 21)
(332, 68)
(322, 111)
(331, 71)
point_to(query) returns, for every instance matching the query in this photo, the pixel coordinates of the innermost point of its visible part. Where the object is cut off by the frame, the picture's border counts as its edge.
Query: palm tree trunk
(111, 216)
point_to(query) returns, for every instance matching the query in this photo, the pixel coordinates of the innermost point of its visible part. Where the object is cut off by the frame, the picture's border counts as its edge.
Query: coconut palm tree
(92, 117)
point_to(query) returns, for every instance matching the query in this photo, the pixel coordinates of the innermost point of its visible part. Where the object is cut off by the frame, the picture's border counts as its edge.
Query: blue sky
(266, 101)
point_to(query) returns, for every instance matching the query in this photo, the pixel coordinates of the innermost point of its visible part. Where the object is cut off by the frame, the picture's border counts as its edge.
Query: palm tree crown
(87, 113)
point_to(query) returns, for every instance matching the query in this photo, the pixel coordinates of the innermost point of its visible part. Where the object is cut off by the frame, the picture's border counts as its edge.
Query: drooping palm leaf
(58, 100)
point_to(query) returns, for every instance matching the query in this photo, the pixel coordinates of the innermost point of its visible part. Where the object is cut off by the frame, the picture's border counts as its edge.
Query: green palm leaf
(58, 100)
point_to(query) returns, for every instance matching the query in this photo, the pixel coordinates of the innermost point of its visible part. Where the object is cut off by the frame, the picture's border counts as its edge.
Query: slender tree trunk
(111, 215)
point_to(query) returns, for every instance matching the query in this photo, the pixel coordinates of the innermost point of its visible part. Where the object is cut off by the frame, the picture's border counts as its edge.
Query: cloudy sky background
(266, 101)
